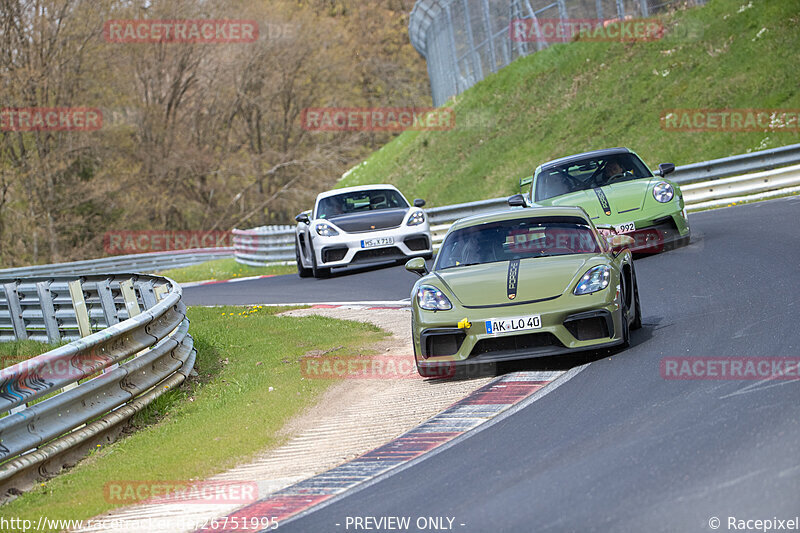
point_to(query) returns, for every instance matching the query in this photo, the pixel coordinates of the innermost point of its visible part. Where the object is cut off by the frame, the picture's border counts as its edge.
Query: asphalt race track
(374, 283)
(618, 447)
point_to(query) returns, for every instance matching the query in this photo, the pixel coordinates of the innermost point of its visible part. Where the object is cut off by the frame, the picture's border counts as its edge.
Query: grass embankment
(249, 385)
(580, 96)
(224, 269)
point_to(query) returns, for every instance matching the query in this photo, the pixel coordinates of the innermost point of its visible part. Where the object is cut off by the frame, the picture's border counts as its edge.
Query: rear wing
(524, 182)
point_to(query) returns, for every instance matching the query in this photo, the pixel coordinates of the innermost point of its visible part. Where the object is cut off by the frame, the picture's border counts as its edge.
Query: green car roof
(537, 212)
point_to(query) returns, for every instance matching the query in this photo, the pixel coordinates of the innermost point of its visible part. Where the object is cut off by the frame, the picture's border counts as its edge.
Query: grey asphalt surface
(386, 282)
(619, 448)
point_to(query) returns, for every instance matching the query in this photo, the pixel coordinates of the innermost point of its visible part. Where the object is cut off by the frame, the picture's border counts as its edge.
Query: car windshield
(517, 239)
(587, 174)
(359, 202)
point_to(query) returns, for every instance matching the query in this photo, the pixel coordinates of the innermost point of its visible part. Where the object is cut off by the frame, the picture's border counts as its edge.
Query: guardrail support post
(129, 295)
(81, 315)
(107, 302)
(148, 294)
(79, 305)
(15, 311)
(161, 291)
(48, 311)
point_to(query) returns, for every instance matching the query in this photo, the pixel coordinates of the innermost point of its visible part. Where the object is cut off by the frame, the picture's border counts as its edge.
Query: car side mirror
(665, 168)
(303, 217)
(419, 202)
(417, 266)
(620, 242)
(516, 201)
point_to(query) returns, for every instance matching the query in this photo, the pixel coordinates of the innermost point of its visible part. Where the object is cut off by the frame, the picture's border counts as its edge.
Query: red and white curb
(481, 409)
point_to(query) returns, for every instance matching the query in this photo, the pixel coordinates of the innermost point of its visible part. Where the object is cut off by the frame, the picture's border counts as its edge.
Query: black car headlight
(595, 279)
(416, 219)
(663, 192)
(432, 299)
(325, 230)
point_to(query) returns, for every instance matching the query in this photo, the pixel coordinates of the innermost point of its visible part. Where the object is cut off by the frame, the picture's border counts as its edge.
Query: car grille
(443, 342)
(514, 343)
(417, 243)
(329, 255)
(388, 253)
(586, 329)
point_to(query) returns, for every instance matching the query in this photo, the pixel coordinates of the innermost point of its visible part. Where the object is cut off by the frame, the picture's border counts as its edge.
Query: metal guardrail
(737, 165)
(264, 245)
(148, 262)
(131, 345)
(706, 184)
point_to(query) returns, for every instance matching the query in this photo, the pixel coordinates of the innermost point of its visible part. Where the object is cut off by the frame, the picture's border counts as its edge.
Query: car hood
(623, 199)
(370, 220)
(539, 278)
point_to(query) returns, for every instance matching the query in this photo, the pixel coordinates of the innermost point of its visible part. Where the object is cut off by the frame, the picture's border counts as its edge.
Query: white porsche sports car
(360, 225)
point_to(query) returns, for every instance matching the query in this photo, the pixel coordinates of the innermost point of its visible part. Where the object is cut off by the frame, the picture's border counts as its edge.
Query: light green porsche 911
(522, 283)
(618, 191)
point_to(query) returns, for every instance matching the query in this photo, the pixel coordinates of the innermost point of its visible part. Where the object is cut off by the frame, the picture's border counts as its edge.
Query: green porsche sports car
(618, 191)
(522, 283)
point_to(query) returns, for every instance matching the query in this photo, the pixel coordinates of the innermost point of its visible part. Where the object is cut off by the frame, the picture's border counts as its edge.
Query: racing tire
(626, 330)
(302, 271)
(683, 241)
(637, 307)
(318, 272)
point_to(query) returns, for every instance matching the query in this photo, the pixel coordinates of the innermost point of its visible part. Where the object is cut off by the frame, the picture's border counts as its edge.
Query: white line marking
(380, 303)
(756, 387)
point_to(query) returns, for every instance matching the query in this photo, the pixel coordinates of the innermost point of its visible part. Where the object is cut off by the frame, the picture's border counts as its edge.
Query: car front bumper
(347, 249)
(569, 324)
(655, 234)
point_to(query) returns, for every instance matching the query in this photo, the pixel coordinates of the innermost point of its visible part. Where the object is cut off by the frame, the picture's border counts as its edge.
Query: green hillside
(580, 96)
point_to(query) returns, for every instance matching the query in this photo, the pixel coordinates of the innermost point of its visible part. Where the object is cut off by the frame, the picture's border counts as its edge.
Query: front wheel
(626, 330)
(683, 241)
(302, 271)
(317, 271)
(637, 307)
